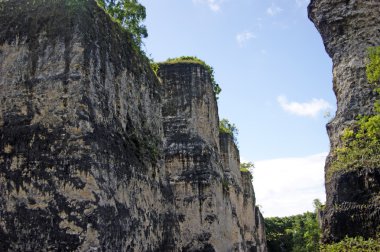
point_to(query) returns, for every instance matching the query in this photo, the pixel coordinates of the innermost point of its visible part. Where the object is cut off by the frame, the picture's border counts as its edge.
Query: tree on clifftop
(130, 14)
(226, 127)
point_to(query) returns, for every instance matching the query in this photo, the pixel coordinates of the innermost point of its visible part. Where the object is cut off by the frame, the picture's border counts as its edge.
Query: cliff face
(80, 128)
(215, 205)
(348, 28)
(97, 154)
(249, 221)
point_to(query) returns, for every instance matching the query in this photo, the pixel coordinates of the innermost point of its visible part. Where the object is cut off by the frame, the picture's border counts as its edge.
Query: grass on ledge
(244, 170)
(192, 60)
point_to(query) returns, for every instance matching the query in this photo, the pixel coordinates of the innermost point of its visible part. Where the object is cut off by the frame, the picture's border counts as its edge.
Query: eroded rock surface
(348, 28)
(80, 133)
(214, 202)
(97, 155)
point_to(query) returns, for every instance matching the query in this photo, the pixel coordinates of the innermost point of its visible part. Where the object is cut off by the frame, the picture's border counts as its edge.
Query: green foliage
(229, 128)
(195, 60)
(246, 166)
(360, 146)
(306, 233)
(361, 143)
(356, 244)
(226, 127)
(277, 234)
(155, 66)
(186, 59)
(318, 206)
(373, 67)
(129, 14)
(298, 233)
(244, 170)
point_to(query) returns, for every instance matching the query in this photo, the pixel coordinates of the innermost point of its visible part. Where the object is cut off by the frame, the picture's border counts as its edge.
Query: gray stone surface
(92, 157)
(215, 203)
(348, 28)
(80, 133)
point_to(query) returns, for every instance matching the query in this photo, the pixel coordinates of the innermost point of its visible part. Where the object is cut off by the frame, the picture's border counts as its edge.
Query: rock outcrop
(96, 154)
(80, 128)
(348, 28)
(215, 204)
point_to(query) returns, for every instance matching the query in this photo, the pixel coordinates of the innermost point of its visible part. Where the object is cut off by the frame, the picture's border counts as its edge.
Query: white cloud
(214, 5)
(244, 37)
(273, 10)
(288, 186)
(311, 109)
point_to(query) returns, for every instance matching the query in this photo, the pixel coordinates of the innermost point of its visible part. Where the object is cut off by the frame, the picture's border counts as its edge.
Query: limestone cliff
(214, 202)
(80, 133)
(348, 28)
(96, 154)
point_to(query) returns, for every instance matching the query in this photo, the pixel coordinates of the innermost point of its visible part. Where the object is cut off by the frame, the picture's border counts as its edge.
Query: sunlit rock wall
(96, 154)
(80, 132)
(214, 204)
(247, 222)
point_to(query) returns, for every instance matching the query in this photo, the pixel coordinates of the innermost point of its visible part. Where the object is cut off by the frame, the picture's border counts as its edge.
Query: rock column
(348, 28)
(215, 204)
(80, 133)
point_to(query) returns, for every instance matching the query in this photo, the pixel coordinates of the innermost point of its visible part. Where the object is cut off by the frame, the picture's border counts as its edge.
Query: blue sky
(276, 85)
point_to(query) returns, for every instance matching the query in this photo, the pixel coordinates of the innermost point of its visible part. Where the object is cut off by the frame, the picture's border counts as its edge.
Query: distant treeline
(298, 233)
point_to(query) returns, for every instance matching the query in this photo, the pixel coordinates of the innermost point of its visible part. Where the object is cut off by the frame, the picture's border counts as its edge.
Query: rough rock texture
(80, 132)
(214, 203)
(82, 160)
(241, 194)
(348, 28)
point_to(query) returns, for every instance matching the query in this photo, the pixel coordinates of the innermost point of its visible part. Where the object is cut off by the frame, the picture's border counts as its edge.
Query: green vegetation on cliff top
(228, 128)
(129, 14)
(360, 144)
(186, 59)
(246, 166)
(195, 60)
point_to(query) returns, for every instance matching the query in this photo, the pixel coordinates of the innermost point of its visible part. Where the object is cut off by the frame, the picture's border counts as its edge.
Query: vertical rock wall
(214, 203)
(191, 154)
(248, 223)
(94, 156)
(80, 133)
(348, 28)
